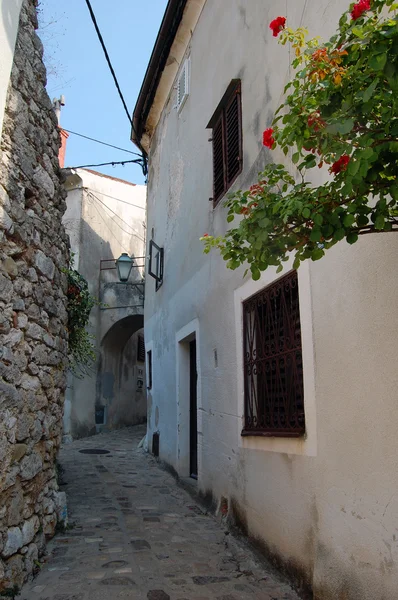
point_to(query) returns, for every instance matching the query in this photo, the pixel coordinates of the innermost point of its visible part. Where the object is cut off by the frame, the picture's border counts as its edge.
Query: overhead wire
(118, 199)
(143, 163)
(86, 137)
(113, 163)
(134, 233)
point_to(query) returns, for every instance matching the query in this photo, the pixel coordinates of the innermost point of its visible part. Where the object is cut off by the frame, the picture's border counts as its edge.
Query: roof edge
(164, 41)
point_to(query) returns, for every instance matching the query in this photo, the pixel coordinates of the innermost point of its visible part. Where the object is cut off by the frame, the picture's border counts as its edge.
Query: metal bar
(128, 306)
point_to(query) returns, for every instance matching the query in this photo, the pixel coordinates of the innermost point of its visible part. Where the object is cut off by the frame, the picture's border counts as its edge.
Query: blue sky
(77, 68)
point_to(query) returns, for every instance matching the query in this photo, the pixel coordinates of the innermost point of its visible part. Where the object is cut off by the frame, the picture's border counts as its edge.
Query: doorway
(193, 411)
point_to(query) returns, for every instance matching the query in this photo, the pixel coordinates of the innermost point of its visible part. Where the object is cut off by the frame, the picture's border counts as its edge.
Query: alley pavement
(137, 535)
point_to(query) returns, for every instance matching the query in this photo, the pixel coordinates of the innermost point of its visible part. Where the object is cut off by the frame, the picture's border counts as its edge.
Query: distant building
(279, 396)
(105, 217)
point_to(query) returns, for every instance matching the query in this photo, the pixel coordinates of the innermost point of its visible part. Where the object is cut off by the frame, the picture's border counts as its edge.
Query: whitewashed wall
(105, 217)
(9, 20)
(328, 505)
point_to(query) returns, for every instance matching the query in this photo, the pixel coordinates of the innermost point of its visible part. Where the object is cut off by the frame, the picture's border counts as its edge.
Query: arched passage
(121, 395)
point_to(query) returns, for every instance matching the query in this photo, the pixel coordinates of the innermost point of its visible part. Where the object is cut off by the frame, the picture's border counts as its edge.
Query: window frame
(220, 115)
(255, 366)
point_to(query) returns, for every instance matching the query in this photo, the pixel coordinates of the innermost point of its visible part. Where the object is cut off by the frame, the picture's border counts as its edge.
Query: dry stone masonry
(33, 337)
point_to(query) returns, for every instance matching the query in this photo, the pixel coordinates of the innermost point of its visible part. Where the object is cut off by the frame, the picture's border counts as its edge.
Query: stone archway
(121, 389)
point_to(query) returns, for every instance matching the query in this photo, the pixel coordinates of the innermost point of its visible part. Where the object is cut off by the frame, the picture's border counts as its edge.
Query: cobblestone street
(136, 535)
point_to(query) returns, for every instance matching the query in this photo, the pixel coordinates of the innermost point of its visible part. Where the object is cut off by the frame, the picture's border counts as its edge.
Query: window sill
(273, 434)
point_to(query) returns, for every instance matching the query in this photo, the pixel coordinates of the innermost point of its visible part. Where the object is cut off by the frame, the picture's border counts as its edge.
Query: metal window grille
(273, 367)
(227, 141)
(141, 349)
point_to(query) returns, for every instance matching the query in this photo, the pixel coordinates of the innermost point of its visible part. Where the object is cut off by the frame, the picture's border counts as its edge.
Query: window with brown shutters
(226, 124)
(273, 366)
(141, 349)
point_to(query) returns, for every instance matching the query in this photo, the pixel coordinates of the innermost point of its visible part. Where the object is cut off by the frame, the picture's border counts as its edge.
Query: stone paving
(137, 535)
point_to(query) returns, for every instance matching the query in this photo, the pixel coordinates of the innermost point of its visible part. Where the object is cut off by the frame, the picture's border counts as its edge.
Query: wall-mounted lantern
(124, 265)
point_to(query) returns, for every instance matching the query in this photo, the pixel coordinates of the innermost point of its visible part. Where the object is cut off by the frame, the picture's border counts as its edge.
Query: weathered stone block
(5, 219)
(35, 332)
(13, 541)
(18, 452)
(43, 181)
(29, 529)
(44, 264)
(6, 289)
(31, 466)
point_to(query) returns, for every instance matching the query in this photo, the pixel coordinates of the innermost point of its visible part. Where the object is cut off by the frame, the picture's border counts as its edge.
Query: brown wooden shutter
(141, 349)
(233, 137)
(218, 158)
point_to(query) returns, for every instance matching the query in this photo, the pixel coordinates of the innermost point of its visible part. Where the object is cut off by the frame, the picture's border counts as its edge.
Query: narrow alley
(136, 534)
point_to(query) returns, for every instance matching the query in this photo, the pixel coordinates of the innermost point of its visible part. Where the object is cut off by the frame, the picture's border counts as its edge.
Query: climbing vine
(80, 302)
(339, 115)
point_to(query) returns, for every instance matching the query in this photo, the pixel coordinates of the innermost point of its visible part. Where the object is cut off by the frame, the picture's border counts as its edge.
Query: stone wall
(33, 337)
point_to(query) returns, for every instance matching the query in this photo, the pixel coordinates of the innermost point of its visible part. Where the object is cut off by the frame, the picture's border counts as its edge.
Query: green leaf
(230, 218)
(378, 61)
(318, 219)
(296, 157)
(306, 213)
(317, 253)
(380, 222)
(342, 127)
(352, 237)
(279, 269)
(316, 235)
(368, 93)
(349, 220)
(256, 273)
(338, 235)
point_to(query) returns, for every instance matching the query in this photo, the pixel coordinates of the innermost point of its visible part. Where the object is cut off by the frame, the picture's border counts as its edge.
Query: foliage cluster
(339, 115)
(80, 302)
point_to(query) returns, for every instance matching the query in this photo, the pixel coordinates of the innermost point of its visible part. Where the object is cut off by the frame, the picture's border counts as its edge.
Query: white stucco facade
(105, 217)
(326, 505)
(9, 22)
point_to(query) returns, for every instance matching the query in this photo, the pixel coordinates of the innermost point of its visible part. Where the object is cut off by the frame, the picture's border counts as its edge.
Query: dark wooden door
(193, 412)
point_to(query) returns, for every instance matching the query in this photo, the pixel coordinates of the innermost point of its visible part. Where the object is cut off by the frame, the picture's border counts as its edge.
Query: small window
(273, 366)
(183, 85)
(141, 349)
(149, 357)
(226, 125)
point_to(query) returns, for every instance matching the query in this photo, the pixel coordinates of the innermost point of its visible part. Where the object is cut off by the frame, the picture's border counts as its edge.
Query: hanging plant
(340, 114)
(82, 353)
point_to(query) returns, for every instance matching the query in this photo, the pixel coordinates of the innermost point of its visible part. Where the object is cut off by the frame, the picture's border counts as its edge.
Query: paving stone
(133, 541)
(157, 595)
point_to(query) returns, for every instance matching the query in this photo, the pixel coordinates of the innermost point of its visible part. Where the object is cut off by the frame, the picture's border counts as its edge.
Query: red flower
(277, 25)
(205, 235)
(268, 140)
(340, 164)
(359, 8)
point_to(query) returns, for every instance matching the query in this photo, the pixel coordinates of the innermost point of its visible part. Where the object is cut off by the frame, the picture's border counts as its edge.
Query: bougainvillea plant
(340, 114)
(80, 302)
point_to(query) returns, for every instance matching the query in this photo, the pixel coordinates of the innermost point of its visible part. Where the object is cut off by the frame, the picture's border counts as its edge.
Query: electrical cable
(111, 232)
(119, 199)
(86, 137)
(134, 233)
(143, 163)
(123, 162)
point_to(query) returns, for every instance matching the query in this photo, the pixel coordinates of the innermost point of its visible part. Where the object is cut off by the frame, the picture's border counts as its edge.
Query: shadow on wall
(120, 401)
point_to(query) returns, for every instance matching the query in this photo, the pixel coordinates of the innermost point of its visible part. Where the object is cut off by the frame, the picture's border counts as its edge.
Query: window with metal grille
(226, 125)
(141, 349)
(273, 366)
